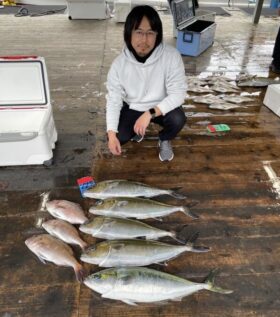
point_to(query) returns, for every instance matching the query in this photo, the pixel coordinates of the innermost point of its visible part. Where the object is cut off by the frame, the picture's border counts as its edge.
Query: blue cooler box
(194, 36)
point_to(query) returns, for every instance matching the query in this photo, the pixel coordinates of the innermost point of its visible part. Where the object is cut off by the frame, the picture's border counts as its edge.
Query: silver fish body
(124, 188)
(49, 248)
(139, 208)
(257, 82)
(143, 285)
(64, 231)
(237, 99)
(66, 210)
(223, 106)
(134, 252)
(121, 228)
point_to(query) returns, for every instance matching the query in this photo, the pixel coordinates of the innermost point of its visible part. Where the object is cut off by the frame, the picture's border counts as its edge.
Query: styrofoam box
(122, 9)
(87, 9)
(272, 98)
(27, 128)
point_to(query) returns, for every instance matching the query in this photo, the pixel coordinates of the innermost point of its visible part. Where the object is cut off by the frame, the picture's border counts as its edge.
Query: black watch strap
(152, 112)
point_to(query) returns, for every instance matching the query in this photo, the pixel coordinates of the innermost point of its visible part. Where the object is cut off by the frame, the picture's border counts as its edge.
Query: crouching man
(146, 83)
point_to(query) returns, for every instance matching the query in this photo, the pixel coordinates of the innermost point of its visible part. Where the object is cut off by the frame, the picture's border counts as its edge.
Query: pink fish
(66, 210)
(64, 231)
(48, 248)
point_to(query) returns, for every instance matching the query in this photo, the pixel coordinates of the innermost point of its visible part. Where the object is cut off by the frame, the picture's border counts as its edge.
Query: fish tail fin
(212, 287)
(45, 197)
(189, 213)
(80, 272)
(177, 195)
(193, 248)
(174, 236)
(83, 245)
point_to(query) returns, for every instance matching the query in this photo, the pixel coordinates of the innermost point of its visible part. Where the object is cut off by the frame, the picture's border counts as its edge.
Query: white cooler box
(272, 98)
(195, 31)
(87, 9)
(27, 129)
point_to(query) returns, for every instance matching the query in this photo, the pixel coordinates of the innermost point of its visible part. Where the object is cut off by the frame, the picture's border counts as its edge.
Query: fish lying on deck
(208, 99)
(223, 106)
(121, 228)
(236, 98)
(199, 89)
(257, 82)
(143, 285)
(64, 231)
(48, 248)
(224, 89)
(66, 210)
(139, 208)
(124, 188)
(135, 252)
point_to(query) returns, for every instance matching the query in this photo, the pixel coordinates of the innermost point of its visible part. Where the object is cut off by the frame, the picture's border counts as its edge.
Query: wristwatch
(152, 112)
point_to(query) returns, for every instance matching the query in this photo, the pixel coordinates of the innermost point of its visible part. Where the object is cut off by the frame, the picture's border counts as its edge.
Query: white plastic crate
(272, 98)
(27, 129)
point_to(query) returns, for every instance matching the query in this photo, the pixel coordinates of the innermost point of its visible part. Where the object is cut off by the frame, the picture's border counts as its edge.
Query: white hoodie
(160, 81)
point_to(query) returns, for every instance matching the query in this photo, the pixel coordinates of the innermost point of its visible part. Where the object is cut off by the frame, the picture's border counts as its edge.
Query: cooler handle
(18, 57)
(17, 136)
(188, 37)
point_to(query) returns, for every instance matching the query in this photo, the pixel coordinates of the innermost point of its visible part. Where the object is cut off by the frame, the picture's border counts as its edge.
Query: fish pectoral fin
(162, 302)
(110, 295)
(125, 280)
(177, 299)
(162, 263)
(113, 295)
(116, 247)
(158, 219)
(129, 302)
(42, 259)
(122, 203)
(62, 206)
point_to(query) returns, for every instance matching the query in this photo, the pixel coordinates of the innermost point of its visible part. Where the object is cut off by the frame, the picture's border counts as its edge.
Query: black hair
(134, 19)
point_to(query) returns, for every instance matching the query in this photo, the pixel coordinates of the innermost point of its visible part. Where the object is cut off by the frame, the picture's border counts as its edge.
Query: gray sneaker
(137, 138)
(165, 150)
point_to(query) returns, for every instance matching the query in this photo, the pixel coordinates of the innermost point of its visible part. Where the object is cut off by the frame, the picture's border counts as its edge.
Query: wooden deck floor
(224, 175)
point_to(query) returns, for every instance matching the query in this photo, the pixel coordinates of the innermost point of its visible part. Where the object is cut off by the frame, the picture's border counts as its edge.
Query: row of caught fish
(120, 253)
(114, 228)
(49, 248)
(227, 84)
(130, 285)
(137, 284)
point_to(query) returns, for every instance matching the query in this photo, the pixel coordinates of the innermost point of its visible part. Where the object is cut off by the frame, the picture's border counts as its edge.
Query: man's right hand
(114, 143)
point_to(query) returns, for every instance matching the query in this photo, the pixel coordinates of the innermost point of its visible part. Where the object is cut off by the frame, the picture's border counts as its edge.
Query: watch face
(152, 111)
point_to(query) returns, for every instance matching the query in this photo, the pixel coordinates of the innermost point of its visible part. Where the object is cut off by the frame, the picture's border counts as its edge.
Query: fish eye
(99, 202)
(97, 276)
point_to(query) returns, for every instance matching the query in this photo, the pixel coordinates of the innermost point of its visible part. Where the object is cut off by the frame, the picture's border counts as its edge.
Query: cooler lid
(23, 81)
(183, 12)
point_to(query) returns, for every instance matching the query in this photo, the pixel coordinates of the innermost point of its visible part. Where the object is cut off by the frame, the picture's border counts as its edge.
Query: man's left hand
(142, 123)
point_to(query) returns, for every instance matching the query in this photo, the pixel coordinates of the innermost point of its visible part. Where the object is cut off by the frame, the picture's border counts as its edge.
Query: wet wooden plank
(41, 301)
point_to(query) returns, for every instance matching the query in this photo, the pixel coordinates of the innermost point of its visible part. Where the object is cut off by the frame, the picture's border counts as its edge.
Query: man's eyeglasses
(141, 34)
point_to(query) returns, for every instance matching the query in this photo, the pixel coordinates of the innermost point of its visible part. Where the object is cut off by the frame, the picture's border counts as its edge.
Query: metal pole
(257, 11)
